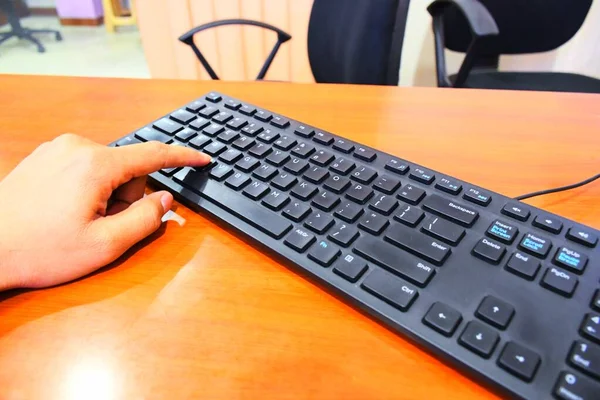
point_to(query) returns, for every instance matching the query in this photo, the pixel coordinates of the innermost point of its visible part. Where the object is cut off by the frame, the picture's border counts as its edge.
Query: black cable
(558, 189)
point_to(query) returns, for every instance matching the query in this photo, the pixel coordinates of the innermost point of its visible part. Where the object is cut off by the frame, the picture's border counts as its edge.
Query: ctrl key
(570, 386)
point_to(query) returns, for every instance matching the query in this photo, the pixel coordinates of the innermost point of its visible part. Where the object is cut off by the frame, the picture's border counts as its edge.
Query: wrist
(7, 271)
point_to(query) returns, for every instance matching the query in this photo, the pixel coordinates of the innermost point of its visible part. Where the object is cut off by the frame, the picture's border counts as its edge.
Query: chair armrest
(482, 26)
(188, 38)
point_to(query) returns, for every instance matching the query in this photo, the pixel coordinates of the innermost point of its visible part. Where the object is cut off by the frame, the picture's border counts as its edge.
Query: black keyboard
(505, 292)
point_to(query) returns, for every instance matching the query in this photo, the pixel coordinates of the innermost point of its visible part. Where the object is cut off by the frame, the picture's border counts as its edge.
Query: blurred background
(139, 39)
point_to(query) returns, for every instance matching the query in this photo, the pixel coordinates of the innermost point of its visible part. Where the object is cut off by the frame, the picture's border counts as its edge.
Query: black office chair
(17, 30)
(486, 29)
(349, 41)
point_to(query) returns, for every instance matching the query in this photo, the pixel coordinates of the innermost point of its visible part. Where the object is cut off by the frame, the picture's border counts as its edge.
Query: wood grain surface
(196, 312)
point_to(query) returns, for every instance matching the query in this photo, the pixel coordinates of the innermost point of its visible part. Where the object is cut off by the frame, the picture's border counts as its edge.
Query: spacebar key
(243, 208)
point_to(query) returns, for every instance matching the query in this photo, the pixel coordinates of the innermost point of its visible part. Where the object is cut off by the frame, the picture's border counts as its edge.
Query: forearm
(7, 271)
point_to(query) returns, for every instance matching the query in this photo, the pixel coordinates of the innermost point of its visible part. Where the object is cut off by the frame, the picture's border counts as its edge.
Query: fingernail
(166, 200)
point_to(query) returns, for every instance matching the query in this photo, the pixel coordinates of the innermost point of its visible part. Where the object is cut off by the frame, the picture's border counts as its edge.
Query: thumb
(140, 219)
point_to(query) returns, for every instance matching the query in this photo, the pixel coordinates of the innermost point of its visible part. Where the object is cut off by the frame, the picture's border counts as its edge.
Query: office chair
(17, 30)
(486, 29)
(349, 41)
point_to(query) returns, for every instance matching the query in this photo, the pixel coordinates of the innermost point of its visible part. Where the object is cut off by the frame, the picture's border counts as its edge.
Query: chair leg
(29, 36)
(5, 36)
(57, 33)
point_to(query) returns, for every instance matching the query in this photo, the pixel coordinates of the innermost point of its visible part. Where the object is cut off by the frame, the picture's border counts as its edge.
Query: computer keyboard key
(296, 166)
(167, 126)
(350, 268)
(343, 234)
(442, 318)
(304, 131)
(519, 361)
(559, 281)
(230, 156)
(337, 184)
(390, 289)
(277, 158)
(199, 124)
(316, 174)
(303, 150)
(596, 301)
(240, 206)
(398, 166)
(263, 115)
(582, 236)
(214, 149)
(478, 196)
(571, 259)
(523, 265)
(237, 123)
(325, 201)
(479, 338)
(237, 181)
(195, 106)
(365, 154)
(199, 141)
(304, 191)
(373, 223)
(152, 135)
(296, 211)
(534, 244)
(448, 185)
(208, 112)
(422, 175)
(127, 140)
(247, 164)
(343, 145)
(256, 190)
(169, 171)
(394, 260)
(265, 172)
(185, 134)
(285, 142)
(319, 222)
(284, 181)
(324, 253)
(417, 243)
(489, 250)
(443, 230)
(275, 200)
(322, 158)
(280, 122)
(502, 231)
(220, 172)
(570, 386)
(386, 184)
(183, 116)
(299, 240)
(323, 138)
(586, 357)
(448, 209)
(228, 136)
(342, 166)
(213, 130)
(214, 97)
(363, 175)
(247, 110)
(409, 215)
(243, 143)
(359, 193)
(233, 104)
(383, 204)
(268, 136)
(590, 328)
(516, 211)
(495, 312)
(260, 150)
(548, 223)
(252, 129)
(411, 194)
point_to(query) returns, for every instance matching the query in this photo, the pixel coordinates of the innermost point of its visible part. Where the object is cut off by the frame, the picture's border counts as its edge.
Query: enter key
(441, 229)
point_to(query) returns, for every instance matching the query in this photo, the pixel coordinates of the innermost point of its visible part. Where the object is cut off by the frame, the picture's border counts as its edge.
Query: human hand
(73, 206)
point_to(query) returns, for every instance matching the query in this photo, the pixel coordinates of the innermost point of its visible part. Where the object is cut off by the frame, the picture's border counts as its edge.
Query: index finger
(145, 158)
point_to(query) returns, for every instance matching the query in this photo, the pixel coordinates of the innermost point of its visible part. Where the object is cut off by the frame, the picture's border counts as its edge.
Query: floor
(84, 51)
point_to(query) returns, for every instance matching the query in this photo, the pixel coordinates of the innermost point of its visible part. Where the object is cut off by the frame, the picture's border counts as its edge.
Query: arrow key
(495, 312)
(442, 318)
(590, 327)
(519, 361)
(479, 338)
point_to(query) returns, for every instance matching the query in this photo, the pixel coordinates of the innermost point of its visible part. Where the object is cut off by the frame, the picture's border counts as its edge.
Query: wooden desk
(195, 312)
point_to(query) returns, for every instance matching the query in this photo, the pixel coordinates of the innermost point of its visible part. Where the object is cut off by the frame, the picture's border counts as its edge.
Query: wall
(41, 3)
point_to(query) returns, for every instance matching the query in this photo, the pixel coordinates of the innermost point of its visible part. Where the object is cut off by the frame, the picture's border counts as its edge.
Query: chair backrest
(526, 26)
(357, 41)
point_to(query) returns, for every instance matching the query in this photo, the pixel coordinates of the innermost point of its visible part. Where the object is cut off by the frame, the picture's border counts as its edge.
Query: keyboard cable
(558, 189)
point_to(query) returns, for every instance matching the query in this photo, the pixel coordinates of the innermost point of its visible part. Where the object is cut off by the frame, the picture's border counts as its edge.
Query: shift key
(418, 243)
